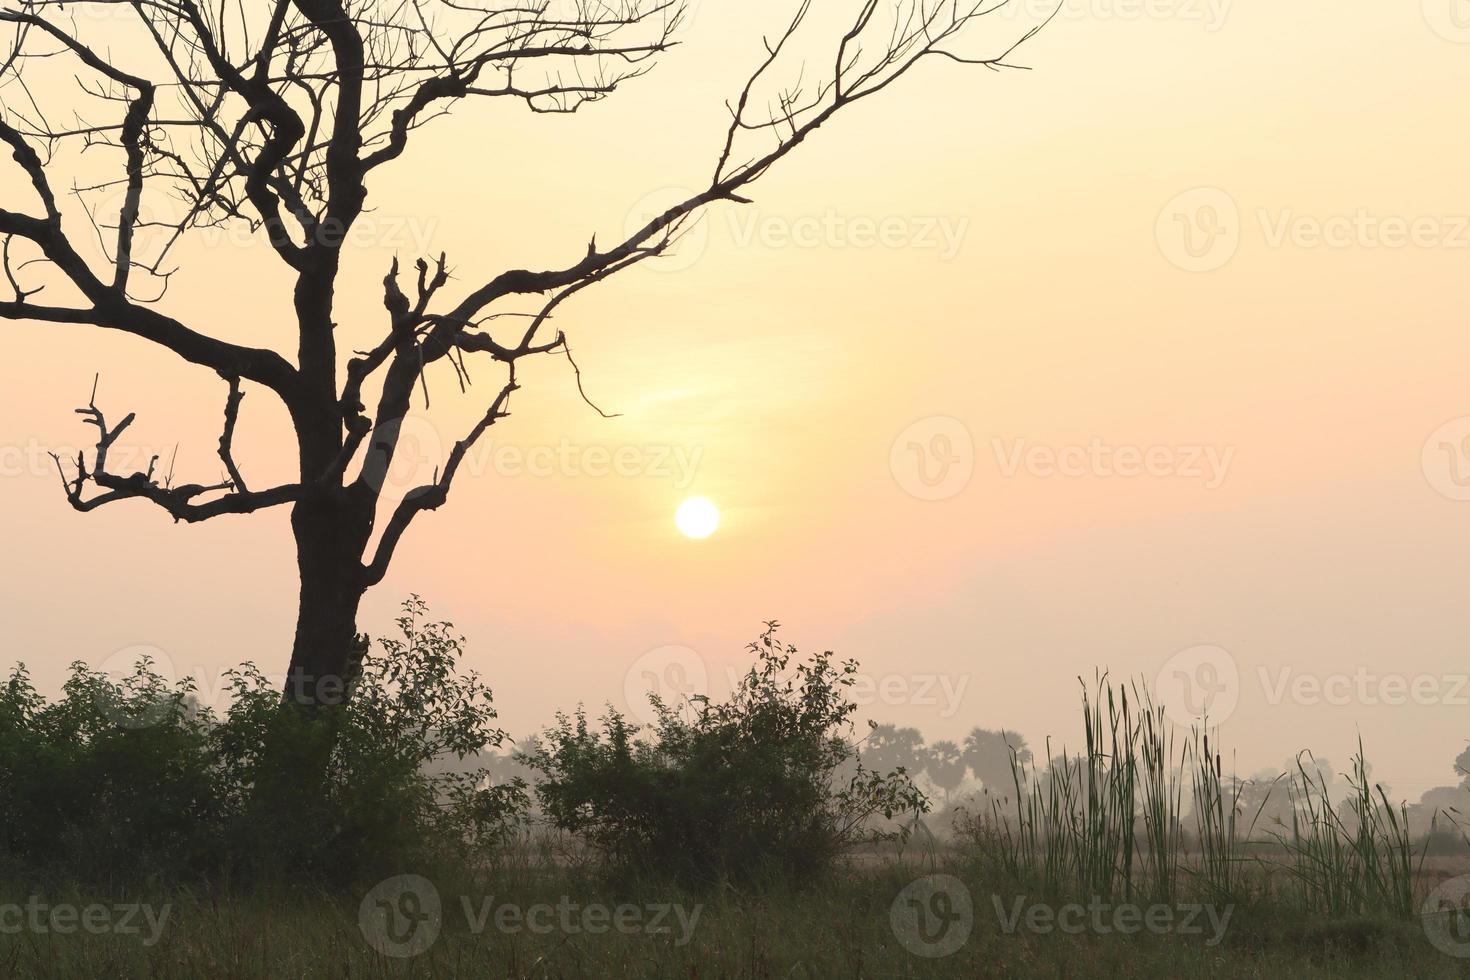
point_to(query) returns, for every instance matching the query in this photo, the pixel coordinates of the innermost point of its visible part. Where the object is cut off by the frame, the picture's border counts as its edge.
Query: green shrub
(131, 778)
(735, 791)
(114, 776)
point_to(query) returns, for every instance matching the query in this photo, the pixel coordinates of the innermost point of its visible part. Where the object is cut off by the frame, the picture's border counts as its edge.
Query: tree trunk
(324, 656)
(292, 795)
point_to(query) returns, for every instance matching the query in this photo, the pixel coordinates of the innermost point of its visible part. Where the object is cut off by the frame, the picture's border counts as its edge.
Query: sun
(697, 517)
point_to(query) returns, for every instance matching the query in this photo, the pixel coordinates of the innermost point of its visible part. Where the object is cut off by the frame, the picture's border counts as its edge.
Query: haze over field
(1169, 330)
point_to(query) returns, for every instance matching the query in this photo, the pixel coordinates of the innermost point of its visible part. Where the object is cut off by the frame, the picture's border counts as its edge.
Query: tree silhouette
(946, 767)
(888, 747)
(1446, 807)
(276, 116)
(1462, 766)
(988, 754)
(1263, 803)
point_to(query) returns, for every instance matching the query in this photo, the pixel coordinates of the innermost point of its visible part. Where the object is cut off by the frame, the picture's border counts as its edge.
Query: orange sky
(1036, 286)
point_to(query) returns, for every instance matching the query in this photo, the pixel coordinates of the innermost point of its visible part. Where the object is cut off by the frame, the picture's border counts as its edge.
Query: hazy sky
(1168, 327)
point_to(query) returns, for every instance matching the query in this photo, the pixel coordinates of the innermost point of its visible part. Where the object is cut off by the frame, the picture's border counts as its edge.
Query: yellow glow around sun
(697, 517)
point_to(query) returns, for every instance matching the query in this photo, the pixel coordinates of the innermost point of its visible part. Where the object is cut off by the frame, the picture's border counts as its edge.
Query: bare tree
(274, 116)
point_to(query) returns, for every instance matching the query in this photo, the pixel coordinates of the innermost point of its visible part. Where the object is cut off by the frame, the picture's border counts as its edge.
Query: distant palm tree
(989, 755)
(889, 747)
(946, 767)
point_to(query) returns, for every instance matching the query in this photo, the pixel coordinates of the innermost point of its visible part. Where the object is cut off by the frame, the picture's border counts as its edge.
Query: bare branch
(227, 437)
(181, 502)
(434, 495)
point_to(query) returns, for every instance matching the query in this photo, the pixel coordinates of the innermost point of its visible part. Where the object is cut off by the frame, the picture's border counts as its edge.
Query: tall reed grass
(1110, 822)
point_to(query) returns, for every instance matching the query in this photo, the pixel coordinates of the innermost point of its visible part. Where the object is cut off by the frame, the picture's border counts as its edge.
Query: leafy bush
(735, 791)
(112, 776)
(131, 777)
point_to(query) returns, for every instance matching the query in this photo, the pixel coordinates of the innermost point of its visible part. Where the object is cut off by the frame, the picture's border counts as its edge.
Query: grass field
(934, 914)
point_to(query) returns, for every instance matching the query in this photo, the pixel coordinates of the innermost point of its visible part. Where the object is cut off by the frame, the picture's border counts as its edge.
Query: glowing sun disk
(697, 517)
